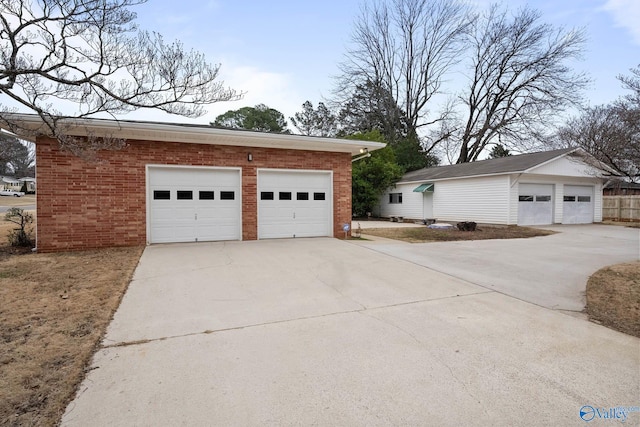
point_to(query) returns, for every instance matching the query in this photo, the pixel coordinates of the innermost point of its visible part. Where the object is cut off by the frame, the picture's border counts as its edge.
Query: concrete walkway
(327, 332)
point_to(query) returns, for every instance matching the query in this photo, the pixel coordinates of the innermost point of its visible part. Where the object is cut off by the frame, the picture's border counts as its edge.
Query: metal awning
(423, 188)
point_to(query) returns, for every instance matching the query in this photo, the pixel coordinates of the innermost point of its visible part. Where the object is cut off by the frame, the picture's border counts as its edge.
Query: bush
(22, 236)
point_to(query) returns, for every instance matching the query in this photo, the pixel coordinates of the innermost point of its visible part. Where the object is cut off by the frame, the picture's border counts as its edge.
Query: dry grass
(613, 297)
(55, 309)
(11, 201)
(484, 232)
(623, 223)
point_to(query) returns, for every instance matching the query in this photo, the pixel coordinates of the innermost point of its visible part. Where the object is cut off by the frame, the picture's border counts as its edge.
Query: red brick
(83, 205)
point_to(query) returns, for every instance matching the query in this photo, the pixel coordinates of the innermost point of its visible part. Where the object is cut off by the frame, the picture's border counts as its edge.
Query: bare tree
(72, 58)
(405, 47)
(610, 133)
(519, 81)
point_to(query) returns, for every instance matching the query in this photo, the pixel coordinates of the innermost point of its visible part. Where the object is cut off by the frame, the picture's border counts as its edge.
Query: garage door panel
(535, 204)
(299, 216)
(578, 204)
(201, 214)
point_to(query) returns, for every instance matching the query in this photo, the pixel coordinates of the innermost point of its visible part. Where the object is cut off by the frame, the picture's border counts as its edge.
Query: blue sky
(285, 52)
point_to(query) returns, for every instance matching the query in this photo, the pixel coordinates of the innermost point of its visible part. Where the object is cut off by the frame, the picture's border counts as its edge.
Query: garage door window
(284, 195)
(586, 199)
(543, 198)
(206, 195)
(227, 195)
(266, 195)
(185, 195)
(569, 198)
(525, 198)
(302, 196)
(161, 195)
(318, 196)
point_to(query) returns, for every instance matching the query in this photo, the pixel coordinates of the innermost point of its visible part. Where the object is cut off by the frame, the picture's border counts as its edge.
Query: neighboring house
(188, 183)
(31, 184)
(548, 187)
(620, 188)
(9, 183)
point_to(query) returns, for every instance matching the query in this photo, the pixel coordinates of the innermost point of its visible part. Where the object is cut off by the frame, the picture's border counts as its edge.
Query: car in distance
(11, 193)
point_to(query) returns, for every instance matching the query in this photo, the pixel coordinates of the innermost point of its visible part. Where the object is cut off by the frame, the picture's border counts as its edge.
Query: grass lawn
(55, 309)
(613, 297)
(11, 201)
(483, 232)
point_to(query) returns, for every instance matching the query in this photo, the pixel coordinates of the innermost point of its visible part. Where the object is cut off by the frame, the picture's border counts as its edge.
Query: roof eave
(168, 132)
(459, 177)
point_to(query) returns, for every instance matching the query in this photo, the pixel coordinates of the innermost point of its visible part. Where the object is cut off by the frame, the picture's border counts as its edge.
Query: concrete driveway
(550, 271)
(327, 332)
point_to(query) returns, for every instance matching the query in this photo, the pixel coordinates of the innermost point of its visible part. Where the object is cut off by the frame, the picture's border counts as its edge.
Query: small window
(302, 196)
(227, 195)
(266, 195)
(318, 196)
(569, 198)
(395, 198)
(161, 195)
(284, 195)
(206, 195)
(584, 199)
(185, 195)
(543, 198)
(525, 198)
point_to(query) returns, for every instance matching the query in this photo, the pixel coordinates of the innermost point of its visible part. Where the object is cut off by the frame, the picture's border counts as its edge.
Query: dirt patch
(55, 309)
(613, 297)
(424, 234)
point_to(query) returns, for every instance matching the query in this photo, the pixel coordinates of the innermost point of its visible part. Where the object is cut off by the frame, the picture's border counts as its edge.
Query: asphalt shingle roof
(511, 164)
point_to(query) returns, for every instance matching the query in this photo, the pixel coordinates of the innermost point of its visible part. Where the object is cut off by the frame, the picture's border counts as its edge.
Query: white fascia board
(194, 134)
(459, 177)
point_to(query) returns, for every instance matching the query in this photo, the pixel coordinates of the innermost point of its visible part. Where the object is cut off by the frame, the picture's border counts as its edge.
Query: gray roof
(511, 164)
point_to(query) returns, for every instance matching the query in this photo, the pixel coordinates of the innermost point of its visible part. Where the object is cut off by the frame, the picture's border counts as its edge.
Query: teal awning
(424, 187)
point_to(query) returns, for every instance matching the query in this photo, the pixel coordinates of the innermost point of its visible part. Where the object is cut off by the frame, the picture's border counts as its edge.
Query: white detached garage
(550, 187)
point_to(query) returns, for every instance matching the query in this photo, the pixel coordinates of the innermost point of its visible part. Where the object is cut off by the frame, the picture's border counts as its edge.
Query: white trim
(161, 166)
(190, 134)
(331, 196)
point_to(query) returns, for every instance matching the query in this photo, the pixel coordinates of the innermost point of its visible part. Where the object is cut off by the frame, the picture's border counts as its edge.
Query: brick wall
(84, 205)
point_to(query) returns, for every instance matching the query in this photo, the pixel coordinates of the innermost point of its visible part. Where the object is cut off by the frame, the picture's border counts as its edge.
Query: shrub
(22, 236)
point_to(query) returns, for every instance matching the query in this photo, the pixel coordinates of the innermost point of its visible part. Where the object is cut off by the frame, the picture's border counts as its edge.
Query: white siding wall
(514, 192)
(597, 203)
(411, 206)
(566, 167)
(484, 199)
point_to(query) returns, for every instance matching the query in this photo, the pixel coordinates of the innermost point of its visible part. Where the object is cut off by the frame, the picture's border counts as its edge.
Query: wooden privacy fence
(621, 208)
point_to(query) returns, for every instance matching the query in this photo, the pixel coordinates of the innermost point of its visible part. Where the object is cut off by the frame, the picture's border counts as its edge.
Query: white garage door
(535, 204)
(294, 204)
(577, 207)
(193, 204)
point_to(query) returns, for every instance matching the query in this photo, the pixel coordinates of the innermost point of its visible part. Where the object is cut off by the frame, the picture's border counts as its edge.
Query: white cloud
(626, 14)
(260, 87)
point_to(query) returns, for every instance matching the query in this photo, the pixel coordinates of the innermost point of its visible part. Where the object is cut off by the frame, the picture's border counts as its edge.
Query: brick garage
(83, 205)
